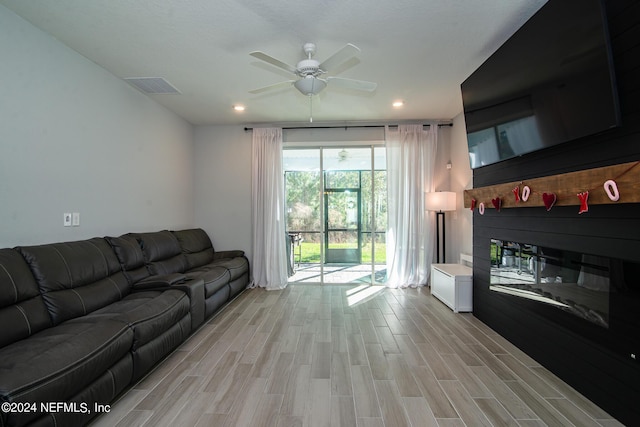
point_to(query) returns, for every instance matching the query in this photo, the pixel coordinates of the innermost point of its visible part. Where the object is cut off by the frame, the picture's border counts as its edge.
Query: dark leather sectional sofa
(83, 321)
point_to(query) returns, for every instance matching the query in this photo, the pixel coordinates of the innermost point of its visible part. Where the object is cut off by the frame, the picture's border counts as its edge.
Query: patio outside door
(343, 240)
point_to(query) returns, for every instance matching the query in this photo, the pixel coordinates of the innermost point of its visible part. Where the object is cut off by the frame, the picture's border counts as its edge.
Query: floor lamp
(440, 202)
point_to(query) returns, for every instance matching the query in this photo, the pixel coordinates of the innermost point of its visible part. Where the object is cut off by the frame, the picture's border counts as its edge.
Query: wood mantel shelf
(566, 188)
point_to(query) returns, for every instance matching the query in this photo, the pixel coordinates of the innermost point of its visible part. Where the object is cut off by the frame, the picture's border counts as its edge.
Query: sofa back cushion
(162, 252)
(129, 253)
(22, 310)
(76, 278)
(196, 247)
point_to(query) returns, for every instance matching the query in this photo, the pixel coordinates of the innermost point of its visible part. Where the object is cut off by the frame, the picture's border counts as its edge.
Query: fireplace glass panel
(573, 282)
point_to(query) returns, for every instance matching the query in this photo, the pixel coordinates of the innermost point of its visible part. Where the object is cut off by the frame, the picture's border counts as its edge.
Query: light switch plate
(75, 219)
(67, 220)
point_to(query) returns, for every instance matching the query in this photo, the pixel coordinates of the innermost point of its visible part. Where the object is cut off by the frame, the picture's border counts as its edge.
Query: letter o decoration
(526, 192)
(481, 208)
(611, 188)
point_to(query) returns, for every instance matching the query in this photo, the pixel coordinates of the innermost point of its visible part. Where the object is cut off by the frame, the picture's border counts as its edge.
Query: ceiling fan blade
(352, 84)
(344, 54)
(272, 87)
(273, 61)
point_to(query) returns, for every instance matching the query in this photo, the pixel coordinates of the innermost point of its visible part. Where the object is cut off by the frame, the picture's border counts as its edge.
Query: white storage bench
(453, 285)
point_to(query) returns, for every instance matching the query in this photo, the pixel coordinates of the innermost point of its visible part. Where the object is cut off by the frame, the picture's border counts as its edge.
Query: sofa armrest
(159, 281)
(194, 288)
(228, 254)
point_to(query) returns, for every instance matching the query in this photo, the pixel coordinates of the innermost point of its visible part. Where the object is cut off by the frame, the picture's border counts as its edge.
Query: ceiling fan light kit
(310, 85)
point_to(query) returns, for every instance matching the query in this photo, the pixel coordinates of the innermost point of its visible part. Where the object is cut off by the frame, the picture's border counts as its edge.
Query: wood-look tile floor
(338, 355)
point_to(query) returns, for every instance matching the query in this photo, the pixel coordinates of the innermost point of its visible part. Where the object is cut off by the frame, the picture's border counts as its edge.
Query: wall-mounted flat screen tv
(551, 82)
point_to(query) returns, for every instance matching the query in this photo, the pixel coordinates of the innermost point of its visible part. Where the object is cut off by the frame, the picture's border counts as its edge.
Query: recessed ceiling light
(398, 104)
(238, 107)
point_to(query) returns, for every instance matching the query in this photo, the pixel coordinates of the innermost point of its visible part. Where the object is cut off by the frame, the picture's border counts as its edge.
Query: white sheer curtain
(269, 242)
(411, 155)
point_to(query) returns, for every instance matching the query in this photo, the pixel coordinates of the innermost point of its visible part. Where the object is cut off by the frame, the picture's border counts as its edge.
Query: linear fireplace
(576, 283)
(592, 295)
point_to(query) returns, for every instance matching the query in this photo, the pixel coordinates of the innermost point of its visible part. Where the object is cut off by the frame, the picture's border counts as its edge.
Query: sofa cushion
(55, 363)
(203, 261)
(103, 389)
(22, 310)
(127, 250)
(129, 253)
(196, 247)
(148, 313)
(237, 266)
(162, 252)
(76, 278)
(214, 279)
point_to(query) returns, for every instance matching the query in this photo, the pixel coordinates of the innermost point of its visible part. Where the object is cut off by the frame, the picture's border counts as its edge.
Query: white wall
(443, 155)
(222, 186)
(75, 138)
(452, 148)
(460, 222)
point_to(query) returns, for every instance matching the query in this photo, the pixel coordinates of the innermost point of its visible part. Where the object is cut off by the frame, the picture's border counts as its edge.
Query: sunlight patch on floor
(362, 293)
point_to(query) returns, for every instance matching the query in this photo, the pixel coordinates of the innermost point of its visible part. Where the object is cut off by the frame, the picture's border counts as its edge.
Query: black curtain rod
(347, 126)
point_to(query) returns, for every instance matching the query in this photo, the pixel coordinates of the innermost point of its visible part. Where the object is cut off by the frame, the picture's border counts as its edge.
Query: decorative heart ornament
(549, 200)
(497, 202)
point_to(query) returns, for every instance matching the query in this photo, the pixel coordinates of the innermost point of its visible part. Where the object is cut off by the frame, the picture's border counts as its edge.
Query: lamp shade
(440, 201)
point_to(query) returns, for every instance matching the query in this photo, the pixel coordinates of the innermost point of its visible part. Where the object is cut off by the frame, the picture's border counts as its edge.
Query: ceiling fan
(309, 71)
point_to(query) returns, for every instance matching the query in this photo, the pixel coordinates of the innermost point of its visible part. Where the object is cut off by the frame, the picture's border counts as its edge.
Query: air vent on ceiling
(152, 85)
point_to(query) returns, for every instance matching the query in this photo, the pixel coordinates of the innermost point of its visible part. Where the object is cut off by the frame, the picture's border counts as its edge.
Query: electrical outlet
(67, 220)
(75, 219)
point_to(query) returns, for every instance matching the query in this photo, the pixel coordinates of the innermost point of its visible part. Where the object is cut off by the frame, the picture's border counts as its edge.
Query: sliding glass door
(336, 214)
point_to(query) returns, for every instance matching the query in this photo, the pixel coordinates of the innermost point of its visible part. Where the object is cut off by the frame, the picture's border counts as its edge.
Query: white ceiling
(416, 50)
